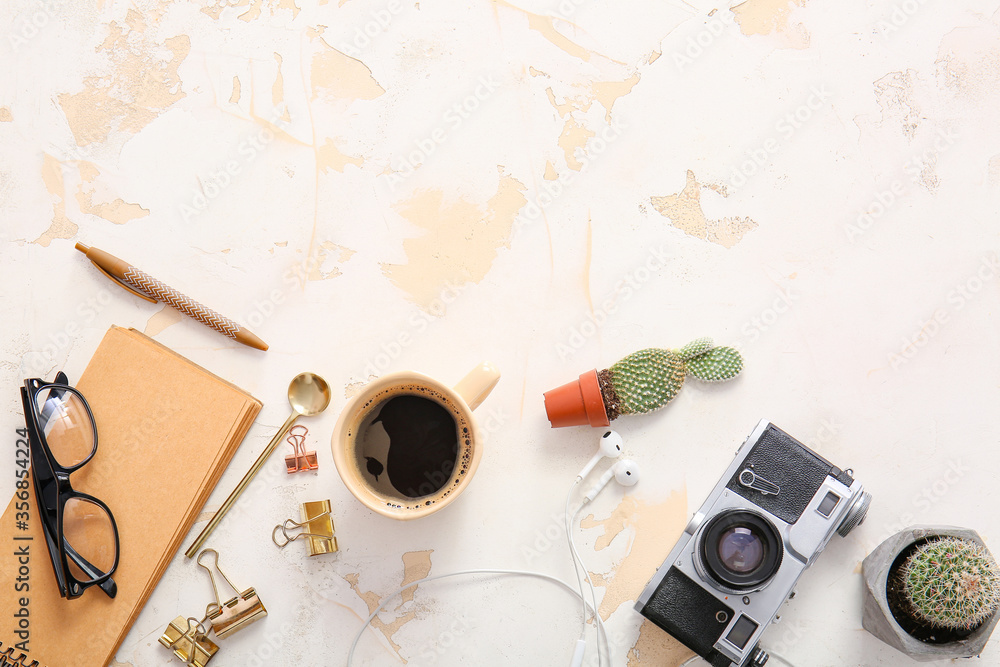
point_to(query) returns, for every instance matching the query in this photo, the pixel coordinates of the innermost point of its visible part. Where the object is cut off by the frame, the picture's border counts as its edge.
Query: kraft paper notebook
(167, 428)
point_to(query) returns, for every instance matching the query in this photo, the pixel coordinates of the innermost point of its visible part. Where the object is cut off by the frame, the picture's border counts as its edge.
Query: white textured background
(529, 162)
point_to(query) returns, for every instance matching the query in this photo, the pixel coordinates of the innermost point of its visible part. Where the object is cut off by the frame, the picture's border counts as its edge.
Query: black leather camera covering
(688, 612)
(783, 460)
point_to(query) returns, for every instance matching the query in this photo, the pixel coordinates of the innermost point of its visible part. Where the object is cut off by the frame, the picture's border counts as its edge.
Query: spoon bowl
(309, 394)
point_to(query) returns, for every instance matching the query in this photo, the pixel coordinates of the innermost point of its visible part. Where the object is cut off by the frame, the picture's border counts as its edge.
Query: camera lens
(740, 550)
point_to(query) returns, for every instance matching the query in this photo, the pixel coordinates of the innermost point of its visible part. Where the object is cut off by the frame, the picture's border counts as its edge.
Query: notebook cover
(167, 428)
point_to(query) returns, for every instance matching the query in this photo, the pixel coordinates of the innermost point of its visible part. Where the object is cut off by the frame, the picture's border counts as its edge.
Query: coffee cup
(407, 445)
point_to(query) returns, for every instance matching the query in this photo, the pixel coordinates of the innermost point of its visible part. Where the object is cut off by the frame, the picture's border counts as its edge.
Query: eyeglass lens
(69, 432)
(87, 530)
(65, 422)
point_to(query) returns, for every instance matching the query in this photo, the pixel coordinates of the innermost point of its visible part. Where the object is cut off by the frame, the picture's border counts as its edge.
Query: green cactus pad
(647, 380)
(716, 365)
(694, 348)
(952, 583)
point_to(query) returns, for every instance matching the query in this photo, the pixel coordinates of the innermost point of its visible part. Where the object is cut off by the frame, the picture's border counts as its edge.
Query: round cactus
(952, 583)
(647, 380)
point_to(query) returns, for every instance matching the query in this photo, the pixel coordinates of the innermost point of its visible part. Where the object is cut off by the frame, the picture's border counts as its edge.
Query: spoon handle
(207, 530)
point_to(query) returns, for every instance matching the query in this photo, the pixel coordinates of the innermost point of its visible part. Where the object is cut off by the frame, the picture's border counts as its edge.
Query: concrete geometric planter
(877, 617)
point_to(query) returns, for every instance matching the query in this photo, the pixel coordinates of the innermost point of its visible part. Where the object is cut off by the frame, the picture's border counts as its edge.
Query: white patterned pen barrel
(144, 285)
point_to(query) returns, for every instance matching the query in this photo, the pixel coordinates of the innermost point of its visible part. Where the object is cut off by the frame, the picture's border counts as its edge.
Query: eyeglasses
(80, 530)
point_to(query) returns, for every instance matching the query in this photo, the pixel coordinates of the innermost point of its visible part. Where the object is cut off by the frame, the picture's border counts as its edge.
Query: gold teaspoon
(309, 395)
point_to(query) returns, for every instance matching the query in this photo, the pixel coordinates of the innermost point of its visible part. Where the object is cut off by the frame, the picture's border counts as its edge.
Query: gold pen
(149, 288)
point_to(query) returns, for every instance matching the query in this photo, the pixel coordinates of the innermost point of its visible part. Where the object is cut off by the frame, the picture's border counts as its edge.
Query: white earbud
(624, 472)
(610, 446)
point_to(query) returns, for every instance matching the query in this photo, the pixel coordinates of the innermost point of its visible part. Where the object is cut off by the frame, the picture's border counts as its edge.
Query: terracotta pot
(577, 403)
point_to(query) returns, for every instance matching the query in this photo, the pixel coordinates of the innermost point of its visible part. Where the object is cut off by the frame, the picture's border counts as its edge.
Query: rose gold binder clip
(316, 525)
(188, 639)
(237, 612)
(300, 459)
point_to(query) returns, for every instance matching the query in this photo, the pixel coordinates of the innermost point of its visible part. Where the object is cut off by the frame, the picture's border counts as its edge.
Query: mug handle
(477, 385)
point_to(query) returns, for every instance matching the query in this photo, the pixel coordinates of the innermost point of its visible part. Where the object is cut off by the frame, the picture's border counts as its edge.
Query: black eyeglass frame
(53, 490)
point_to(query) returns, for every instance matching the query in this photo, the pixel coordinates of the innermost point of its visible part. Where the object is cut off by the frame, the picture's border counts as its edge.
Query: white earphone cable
(626, 467)
(576, 568)
(598, 622)
(575, 555)
(386, 599)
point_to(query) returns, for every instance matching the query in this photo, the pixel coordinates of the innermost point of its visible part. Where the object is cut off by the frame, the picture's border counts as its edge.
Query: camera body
(769, 517)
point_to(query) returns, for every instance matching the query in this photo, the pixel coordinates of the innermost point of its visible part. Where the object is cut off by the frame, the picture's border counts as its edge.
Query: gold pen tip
(82, 248)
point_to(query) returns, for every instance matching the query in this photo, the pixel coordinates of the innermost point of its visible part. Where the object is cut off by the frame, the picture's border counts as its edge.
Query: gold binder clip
(233, 614)
(300, 459)
(316, 525)
(188, 639)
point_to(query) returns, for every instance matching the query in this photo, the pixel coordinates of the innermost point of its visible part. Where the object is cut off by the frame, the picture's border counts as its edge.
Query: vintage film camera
(765, 522)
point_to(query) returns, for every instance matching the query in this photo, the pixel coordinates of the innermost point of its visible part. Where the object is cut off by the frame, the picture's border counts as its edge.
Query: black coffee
(422, 448)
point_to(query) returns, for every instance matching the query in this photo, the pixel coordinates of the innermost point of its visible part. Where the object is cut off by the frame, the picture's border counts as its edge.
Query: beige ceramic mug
(407, 445)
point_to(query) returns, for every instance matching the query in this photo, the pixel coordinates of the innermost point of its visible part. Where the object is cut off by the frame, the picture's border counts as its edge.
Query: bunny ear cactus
(647, 380)
(642, 382)
(952, 583)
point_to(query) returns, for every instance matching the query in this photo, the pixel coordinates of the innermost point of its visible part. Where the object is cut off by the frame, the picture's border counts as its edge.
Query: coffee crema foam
(368, 412)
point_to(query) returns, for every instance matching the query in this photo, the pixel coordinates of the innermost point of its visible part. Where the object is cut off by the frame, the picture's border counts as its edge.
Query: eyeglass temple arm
(108, 586)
